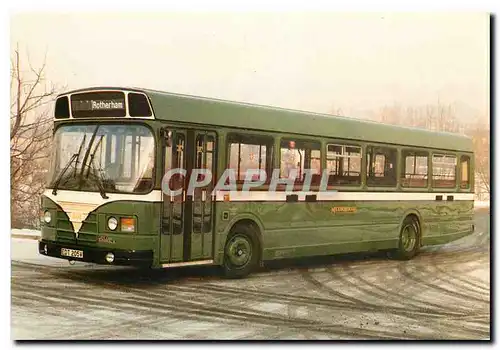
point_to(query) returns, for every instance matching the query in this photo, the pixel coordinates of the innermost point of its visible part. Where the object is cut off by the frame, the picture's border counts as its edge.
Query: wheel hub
(409, 238)
(239, 251)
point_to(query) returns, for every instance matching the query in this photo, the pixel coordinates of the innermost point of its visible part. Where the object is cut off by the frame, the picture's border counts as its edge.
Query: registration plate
(72, 253)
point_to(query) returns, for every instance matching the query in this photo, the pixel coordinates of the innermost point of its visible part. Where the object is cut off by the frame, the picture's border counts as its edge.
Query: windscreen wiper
(98, 178)
(93, 154)
(78, 154)
(87, 156)
(66, 167)
(91, 166)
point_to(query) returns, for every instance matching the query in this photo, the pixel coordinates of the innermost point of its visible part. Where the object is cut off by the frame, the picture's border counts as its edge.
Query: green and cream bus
(371, 186)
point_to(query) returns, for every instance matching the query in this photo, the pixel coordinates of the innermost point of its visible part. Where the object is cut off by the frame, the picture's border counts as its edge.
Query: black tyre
(409, 240)
(241, 252)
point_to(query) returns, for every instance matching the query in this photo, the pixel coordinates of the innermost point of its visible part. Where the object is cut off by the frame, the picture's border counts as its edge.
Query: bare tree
(30, 132)
(437, 117)
(392, 115)
(480, 133)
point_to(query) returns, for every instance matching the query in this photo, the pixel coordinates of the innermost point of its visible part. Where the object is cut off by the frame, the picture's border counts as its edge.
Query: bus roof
(203, 110)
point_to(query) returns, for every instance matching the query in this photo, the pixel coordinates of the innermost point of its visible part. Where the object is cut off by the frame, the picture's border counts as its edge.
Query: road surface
(444, 293)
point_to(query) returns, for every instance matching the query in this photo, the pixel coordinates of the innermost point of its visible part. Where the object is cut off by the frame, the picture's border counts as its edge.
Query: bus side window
(381, 166)
(298, 156)
(344, 164)
(414, 168)
(465, 171)
(249, 152)
(444, 171)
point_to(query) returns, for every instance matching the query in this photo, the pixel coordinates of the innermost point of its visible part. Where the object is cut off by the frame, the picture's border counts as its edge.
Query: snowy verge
(481, 204)
(26, 250)
(25, 233)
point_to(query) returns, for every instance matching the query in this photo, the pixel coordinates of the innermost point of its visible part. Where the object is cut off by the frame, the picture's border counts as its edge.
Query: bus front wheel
(241, 255)
(409, 239)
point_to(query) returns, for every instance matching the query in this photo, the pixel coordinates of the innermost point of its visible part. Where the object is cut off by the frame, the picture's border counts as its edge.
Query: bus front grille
(65, 231)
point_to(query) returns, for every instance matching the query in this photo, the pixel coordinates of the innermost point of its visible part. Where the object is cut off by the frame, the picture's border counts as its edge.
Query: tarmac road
(444, 293)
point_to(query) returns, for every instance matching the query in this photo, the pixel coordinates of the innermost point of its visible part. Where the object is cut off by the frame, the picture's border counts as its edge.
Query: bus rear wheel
(241, 254)
(409, 240)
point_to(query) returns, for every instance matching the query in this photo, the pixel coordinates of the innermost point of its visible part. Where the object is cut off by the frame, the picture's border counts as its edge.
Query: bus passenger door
(199, 206)
(172, 227)
(187, 221)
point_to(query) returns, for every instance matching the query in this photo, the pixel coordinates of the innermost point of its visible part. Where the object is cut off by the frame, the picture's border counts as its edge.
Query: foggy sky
(310, 61)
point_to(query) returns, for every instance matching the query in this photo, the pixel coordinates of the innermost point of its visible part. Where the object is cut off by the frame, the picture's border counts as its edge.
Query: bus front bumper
(95, 255)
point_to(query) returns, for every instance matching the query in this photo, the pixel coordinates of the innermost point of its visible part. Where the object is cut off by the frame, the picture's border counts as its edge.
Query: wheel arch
(246, 219)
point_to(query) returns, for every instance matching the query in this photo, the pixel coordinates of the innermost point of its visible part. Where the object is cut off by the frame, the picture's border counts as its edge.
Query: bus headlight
(112, 223)
(47, 217)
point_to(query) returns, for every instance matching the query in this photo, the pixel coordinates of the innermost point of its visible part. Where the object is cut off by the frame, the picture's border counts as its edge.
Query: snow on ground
(481, 204)
(443, 293)
(27, 250)
(25, 233)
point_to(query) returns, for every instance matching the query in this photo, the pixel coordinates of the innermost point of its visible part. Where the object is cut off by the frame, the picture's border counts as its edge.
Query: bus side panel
(446, 221)
(320, 228)
(326, 228)
(329, 227)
